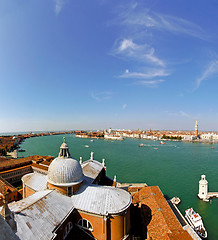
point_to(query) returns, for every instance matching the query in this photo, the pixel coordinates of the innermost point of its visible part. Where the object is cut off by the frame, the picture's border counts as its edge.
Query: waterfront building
(189, 137)
(203, 193)
(209, 137)
(203, 188)
(110, 134)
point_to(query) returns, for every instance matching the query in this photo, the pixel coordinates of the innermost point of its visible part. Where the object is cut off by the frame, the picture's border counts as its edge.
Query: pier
(212, 194)
(183, 221)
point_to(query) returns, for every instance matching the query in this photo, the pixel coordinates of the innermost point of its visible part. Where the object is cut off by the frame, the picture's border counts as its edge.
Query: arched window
(67, 229)
(85, 224)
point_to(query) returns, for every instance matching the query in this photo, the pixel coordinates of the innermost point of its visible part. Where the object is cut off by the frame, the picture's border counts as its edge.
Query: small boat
(21, 150)
(161, 142)
(195, 221)
(212, 147)
(156, 148)
(141, 145)
(91, 140)
(175, 200)
(86, 146)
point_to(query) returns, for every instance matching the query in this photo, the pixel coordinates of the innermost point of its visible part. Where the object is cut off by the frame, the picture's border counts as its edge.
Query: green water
(175, 167)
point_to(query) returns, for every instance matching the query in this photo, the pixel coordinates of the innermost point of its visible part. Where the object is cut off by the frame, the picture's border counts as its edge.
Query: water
(175, 167)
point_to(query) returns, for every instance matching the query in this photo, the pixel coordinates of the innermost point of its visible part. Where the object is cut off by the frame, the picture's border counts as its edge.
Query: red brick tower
(196, 129)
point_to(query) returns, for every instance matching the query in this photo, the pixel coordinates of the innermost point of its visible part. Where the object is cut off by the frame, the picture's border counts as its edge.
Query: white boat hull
(196, 222)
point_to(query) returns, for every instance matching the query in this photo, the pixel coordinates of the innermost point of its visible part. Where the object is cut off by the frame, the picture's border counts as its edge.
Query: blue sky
(94, 64)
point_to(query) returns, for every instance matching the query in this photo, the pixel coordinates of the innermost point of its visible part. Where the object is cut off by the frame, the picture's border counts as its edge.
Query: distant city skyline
(69, 65)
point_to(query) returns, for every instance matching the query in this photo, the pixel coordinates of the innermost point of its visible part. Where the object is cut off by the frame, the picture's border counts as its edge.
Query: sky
(96, 64)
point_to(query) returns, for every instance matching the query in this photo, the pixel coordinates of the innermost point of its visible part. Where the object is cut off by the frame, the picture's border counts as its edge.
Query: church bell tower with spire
(196, 129)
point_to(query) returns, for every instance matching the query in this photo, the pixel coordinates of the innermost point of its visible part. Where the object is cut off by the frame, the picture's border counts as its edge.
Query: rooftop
(36, 181)
(91, 169)
(159, 219)
(101, 200)
(38, 215)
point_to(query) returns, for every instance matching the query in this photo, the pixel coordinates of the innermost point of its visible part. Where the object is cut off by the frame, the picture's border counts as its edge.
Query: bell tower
(203, 187)
(196, 129)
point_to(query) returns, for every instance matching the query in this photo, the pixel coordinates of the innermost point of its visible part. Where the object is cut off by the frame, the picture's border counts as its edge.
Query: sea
(176, 167)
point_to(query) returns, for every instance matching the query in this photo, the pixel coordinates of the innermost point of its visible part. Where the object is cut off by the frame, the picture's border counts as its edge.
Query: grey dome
(64, 170)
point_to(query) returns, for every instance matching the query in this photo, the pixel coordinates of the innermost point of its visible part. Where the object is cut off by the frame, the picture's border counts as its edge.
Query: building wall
(27, 191)
(61, 232)
(15, 175)
(64, 190)
(119, 225)
(12, 196)
(113, 227)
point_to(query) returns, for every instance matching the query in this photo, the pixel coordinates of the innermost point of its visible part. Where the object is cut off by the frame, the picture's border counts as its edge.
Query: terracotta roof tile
(157, 215)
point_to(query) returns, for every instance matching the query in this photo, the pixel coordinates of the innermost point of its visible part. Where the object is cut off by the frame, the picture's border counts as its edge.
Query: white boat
(141, 145)
(112, 137)
(175, 200)
(86, 146)
(195, 221)
(161, 142)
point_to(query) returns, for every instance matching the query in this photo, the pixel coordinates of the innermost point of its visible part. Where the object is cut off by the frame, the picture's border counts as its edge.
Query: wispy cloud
(142, 17)
(140, 52)
(180, 113)
(150, 73)
(210, 71)
(59, 4)
(101, 96)
(184, 114)
(151, 83)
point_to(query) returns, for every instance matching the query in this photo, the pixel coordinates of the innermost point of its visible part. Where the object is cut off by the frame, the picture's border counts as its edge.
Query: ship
(195, 221)
(112, 137)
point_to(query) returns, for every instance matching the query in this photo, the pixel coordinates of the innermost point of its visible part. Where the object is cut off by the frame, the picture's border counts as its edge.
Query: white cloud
(211, 70)
(151, 83)
(150, 56)
(101, 96)
(150, 73)
(143, 19)
(140, 52)
(184, 114)
(127, 43)
(179, 114)
(59, 4)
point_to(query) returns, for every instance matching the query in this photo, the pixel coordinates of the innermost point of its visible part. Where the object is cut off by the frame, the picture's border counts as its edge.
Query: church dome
(64, 170)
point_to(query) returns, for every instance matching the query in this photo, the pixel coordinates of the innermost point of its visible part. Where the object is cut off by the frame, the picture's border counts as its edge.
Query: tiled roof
(160, 220)
(13, 162)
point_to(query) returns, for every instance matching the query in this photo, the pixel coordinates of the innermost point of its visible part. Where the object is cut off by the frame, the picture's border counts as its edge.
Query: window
(85, 224)
(69, 191)
(67, 229)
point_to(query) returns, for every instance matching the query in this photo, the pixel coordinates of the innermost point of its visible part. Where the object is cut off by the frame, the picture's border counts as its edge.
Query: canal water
(176, 167)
